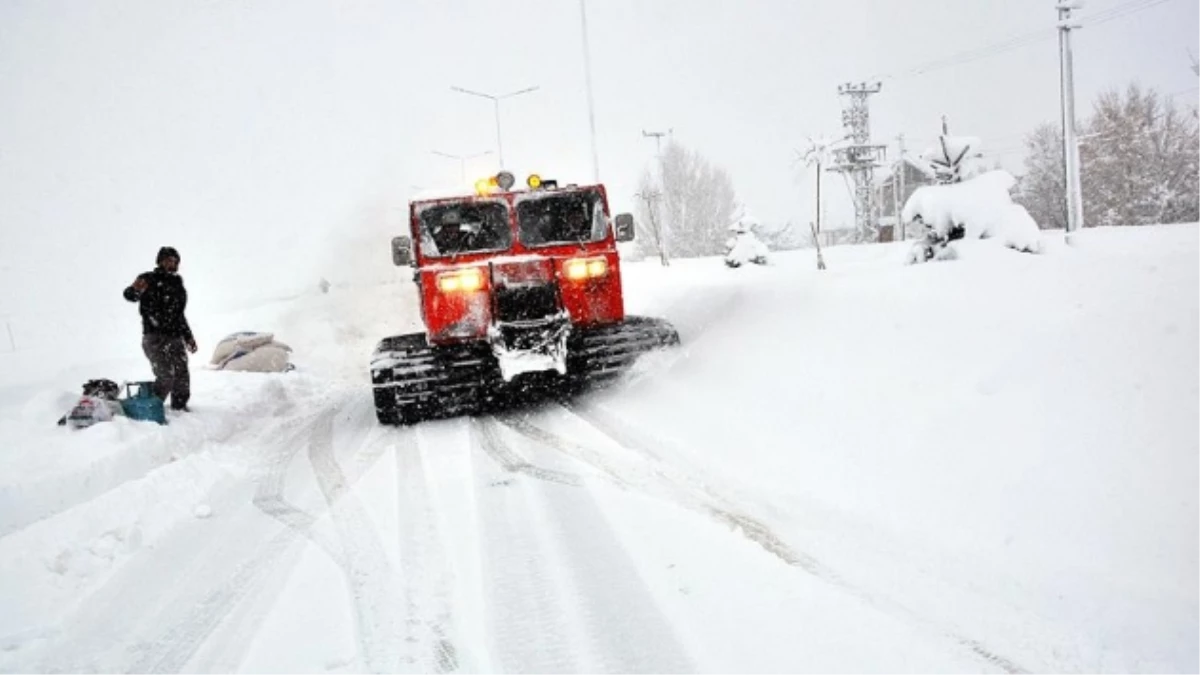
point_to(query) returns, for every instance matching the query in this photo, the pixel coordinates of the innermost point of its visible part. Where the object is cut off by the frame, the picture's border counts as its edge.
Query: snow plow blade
(413, 380)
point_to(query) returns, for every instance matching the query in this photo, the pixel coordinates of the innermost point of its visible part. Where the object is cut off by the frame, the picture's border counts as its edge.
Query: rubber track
(414, 380)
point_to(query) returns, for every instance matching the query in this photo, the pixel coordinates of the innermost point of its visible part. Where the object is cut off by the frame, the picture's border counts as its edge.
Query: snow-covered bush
(978, 208)
(745, 247)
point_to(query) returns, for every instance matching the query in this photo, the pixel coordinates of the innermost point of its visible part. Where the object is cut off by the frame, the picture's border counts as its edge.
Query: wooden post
(903, 192)
(818, 229)
(817, 243)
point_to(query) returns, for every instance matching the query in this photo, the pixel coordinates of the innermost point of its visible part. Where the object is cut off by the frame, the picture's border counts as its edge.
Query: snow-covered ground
(989, 464)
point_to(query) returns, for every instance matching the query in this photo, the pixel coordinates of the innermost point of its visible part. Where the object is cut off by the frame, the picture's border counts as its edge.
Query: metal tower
(859, 157)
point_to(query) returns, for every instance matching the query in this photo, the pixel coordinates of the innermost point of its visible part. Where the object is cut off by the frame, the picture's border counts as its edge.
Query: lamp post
(587, 76)
(462, 159)
(496, 106)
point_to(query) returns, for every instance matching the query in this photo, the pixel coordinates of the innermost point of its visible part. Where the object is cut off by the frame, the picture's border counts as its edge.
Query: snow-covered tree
(967, 201)
(696, 202)
(1138, 153)
(952, 159)
(1042, 190)
(744, 245)
(1139, 161)
(977, 208)
(786, 237)
(650, 240)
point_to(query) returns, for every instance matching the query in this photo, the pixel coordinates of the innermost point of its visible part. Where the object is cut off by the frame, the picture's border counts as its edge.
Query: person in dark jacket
(165, 330)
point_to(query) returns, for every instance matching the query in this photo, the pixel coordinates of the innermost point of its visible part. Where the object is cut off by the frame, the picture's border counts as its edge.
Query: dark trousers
(168, 360)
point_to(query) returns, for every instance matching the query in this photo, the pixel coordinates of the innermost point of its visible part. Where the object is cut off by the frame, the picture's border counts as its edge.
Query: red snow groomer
(520, 291)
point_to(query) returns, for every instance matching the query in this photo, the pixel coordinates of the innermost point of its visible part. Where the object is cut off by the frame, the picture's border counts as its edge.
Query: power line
(1121, 11)
(972, 54)
(1018, 41)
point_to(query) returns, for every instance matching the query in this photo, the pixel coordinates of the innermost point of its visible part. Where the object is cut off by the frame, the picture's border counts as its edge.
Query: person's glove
(191, 345)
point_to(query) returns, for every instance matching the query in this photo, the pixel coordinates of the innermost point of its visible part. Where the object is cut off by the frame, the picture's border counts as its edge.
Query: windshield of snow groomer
(469, 227)
(573, 217)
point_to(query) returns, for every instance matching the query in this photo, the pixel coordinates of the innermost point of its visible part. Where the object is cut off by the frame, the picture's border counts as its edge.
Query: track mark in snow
(653, 476)
(223, 653)
(424, 563)
(186, 637)
(368, 574)
(991, 657)
(170, 651)
(563, 593)
(757, 532)
(178, 611)
(268, 495)
(511, 462)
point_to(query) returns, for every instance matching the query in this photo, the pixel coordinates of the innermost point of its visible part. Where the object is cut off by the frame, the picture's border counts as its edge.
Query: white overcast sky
(257, 135)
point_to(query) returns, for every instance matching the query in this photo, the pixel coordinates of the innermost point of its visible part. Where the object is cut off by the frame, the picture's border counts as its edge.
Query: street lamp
(496, 104)
(587, 76)
(462, 159)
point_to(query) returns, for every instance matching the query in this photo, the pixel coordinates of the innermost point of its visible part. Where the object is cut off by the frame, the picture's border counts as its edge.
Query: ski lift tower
(858, 158)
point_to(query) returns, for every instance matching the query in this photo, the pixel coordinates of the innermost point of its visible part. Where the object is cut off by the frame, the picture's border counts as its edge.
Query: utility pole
(651, 198)
(859, 159)
(587, 76)
(661, 227)
(903, 190)
(1067, 105)
(818, 197)
(897, 168)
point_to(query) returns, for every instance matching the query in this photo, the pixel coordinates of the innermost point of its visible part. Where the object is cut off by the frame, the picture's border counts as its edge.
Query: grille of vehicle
(525, 302)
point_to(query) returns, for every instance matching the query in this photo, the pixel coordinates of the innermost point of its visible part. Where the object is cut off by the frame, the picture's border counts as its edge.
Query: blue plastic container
(142, 404)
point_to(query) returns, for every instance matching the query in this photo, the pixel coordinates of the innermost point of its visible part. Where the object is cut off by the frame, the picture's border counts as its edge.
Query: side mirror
(624, 223)
(402, 251)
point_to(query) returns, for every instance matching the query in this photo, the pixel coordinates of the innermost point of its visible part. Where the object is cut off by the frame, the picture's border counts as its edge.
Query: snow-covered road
(509, 543)
(986, 465)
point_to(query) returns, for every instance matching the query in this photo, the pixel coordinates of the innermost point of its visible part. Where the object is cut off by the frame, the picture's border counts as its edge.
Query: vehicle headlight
(579, 269)
(460, 281)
